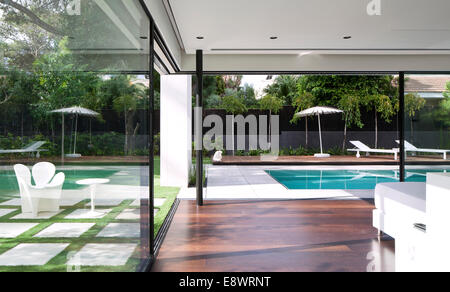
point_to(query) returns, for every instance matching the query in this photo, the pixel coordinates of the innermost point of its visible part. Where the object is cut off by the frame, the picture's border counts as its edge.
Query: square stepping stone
(41, 215)
(11, 230)
(87, 214)
(106, 202)
(64, 202)
(103, 255)
(128, 230)
(130, 214)
(31, 254)
(4, 212)
(158, 202)
(12, 202)
(69, 202)
(65, 230)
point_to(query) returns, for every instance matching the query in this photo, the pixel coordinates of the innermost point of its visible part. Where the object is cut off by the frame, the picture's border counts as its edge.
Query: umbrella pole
(62, 139)
(320, 135)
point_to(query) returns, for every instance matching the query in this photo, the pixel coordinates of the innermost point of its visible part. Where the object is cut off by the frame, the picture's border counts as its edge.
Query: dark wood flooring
(252, 236)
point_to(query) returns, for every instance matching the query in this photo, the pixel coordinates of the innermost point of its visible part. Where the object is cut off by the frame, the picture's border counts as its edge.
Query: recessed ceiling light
(273, 38)
(347, 37)
(200, 38)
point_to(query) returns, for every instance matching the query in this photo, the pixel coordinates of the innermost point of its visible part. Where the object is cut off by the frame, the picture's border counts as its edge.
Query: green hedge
(106, 144)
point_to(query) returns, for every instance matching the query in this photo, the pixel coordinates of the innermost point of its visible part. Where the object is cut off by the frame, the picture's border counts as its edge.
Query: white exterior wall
(176, 129)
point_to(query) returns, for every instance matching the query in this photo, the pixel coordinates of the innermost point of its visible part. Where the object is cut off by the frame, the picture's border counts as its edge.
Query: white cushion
(404, 200)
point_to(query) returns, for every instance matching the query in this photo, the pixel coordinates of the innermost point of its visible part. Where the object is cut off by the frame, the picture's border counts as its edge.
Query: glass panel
(427, 124)
(337, 132)
(74, 174)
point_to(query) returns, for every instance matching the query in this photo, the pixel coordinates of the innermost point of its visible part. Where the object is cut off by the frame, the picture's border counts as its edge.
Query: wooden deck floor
(252, 236)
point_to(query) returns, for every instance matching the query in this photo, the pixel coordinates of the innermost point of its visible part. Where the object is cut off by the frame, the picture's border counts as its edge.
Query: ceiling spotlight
(274, 38)
(347, 37)
(200, 38)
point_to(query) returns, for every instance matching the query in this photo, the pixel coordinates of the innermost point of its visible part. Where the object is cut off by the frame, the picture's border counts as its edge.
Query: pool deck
(225, 182)
(84, 159)
(333, 160)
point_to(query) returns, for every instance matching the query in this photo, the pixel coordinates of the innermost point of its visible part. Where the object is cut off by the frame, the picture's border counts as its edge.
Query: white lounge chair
(361, 147)
(46, 194)
(30, 148)
(411, 148)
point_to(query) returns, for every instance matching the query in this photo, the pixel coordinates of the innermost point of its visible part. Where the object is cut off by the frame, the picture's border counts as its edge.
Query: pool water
(8, 181)
(344, 179)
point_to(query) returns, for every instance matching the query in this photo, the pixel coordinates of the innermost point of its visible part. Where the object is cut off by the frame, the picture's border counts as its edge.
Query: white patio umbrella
(319, 110)
(77, 111)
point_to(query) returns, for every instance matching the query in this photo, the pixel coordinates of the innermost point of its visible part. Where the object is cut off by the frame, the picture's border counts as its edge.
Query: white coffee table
(93, 183)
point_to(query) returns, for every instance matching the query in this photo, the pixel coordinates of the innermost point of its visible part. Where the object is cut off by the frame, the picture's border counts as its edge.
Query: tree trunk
(125, 147)
(232, 132)
(133, 141)
(376, 130)
(345, 136)
(270, 129)
(412, 132)
(21, 129)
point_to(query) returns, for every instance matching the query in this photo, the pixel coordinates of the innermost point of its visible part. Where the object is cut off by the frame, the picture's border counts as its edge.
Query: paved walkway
(252, 182)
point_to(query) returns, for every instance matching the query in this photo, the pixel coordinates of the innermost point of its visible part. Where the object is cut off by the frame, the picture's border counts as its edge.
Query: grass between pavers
(58, 263)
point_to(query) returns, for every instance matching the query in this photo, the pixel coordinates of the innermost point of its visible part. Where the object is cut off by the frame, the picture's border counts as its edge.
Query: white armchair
(45, 195)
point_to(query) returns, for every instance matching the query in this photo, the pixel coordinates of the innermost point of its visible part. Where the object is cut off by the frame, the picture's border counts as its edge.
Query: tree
(232, 105)
(247, 95)
(284, 87)
(232, 81)
(383, 106)
(16, 94)
(273, 104)
(350, 105)
(130, 98)
(303, 101)
(376, 93)
(413, 104)
(61, 84)
(31, 28)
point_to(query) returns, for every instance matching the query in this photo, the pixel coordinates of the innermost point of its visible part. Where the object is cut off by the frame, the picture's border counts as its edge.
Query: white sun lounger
(361, 147)
(411, 148)
(31, 148)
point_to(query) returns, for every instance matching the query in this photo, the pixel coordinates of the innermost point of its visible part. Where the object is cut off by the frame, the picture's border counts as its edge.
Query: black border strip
(165, 226)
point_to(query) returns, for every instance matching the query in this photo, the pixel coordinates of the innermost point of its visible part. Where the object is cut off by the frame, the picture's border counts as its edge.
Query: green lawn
(58, 263)
(8, 185)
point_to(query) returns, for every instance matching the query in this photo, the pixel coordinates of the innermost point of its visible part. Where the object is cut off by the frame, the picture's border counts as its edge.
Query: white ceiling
(311, 26)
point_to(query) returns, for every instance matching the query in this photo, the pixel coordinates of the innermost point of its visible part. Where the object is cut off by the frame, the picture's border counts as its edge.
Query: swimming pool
(344, 179)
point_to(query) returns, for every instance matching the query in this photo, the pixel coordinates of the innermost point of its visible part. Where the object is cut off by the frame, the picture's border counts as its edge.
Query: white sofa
(399, 206)
(427, 251)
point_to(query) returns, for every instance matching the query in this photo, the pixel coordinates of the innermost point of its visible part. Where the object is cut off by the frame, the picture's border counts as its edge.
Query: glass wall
(74, 136)
(333, 132)
(427, 125)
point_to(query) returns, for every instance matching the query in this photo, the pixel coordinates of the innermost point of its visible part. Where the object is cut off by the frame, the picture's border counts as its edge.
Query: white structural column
(176, 129)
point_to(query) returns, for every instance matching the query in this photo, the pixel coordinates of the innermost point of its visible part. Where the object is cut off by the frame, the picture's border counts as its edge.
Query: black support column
(401, 123)
(151, 147)
(199, 128)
